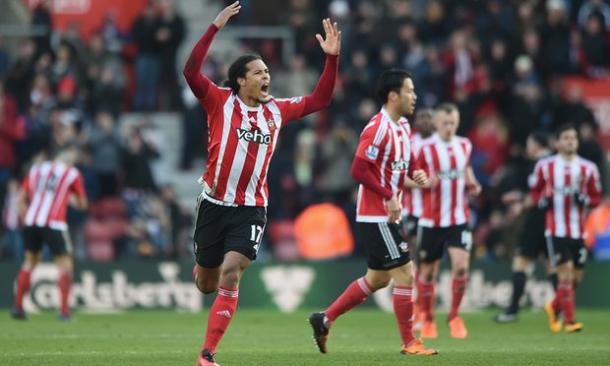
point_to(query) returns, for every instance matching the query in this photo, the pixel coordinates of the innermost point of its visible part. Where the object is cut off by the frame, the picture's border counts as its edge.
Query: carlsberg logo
(480, 294)
(254, 136)
(119, 294)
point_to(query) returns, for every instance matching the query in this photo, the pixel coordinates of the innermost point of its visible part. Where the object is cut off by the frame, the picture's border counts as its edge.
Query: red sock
(220, 316)
(355, 294)
(425, 293)
(64, 283)
(403, 309)
(23, 286)
(556, 303)
(568, 303)
(458, 287)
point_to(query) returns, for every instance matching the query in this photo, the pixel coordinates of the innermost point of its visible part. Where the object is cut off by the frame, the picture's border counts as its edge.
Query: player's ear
(241, 82)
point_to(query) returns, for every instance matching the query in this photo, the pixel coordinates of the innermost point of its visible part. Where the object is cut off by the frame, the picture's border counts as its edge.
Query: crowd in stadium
(500, 62)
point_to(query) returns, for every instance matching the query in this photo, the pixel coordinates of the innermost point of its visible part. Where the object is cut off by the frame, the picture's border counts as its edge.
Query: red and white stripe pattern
(387, 144)
(413, 199)
(241, 142)
(228, 293)
(364, 286)
(446, 204)
(561, 181)
(48, 186)
(403, 291)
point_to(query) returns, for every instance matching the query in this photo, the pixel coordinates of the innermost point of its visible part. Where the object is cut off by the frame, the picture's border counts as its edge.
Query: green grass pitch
(270, 338)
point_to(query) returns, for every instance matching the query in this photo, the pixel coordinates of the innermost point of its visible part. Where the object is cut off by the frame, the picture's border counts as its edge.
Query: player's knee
(461, 272)
(206, 286)
(230, 276)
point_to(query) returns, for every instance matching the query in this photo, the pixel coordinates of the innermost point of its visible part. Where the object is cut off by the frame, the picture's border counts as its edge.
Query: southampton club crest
(271, 125)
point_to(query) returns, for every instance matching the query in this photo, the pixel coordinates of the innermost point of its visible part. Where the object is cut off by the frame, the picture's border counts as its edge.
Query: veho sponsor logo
(255, 136)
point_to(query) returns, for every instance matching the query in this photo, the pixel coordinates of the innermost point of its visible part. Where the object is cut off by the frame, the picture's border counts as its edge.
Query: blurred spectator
(137, 155)
(194, 129)
(595, 43)
(591, 7)
(112, 35)
(21, 74)
(12, 129)
(147, 66)
(41, 18)
(556, 35)
(105, 146)
(169, 36)
(572, 109)
(4, 60)
(12, 241)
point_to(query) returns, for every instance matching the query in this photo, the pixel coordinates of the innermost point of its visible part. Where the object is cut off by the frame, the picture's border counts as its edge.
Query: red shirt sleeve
(204, 89)
(320, 98)
(363, 172)
(594, 187)
(77, 187)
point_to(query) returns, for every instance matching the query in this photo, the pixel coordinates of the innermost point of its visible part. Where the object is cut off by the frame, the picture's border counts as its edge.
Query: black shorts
(409, 226)
(431, 242)
(532, 241)
(220, 229)
(384, 245)
(35, 237)
(562, 250)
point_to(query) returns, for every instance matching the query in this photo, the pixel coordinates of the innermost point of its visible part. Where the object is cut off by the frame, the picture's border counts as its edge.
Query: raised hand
(223, 17)
(332, 41)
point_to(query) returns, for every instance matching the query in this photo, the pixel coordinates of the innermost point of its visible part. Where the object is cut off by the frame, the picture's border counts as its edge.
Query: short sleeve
(370, 147)
(77, 187)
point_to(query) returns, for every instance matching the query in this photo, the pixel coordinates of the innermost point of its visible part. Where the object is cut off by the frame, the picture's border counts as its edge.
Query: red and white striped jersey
(388, 145)
(446, 204)
(240, 143)
(563, 183)
(48, 186)
(413, 199)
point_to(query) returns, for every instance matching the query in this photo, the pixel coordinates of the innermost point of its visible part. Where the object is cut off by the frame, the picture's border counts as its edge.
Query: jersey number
(256, 233)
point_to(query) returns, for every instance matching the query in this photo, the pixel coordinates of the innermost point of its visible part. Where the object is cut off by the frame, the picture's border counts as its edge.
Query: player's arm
(79, 197)
(23, 198)
(323, 92)
(416, 176)
(594, 188)
(199, 83)
(472, 183)
(538, 186)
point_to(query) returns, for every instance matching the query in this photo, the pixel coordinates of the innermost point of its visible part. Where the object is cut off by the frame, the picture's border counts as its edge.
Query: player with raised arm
(444, 222)
(566, 185)
(384, 159)
(244, 121)
(47, 191)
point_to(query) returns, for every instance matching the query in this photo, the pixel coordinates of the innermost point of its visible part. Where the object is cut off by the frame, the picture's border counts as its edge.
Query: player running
(444, 223)
(566, 185)
(532, 242)
(47, 190)
(244, 121)
(383, 161)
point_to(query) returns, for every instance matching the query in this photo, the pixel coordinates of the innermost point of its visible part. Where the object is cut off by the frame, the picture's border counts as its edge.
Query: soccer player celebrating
(383, 161)
(444, 222)
(243, 122)
(532, 242)
(47, 190)
(565, 185)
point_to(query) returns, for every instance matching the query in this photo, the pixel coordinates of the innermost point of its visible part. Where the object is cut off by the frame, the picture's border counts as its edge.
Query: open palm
(332, 41)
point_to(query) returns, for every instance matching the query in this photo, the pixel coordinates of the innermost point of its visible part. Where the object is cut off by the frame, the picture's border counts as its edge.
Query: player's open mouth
(265, 88)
